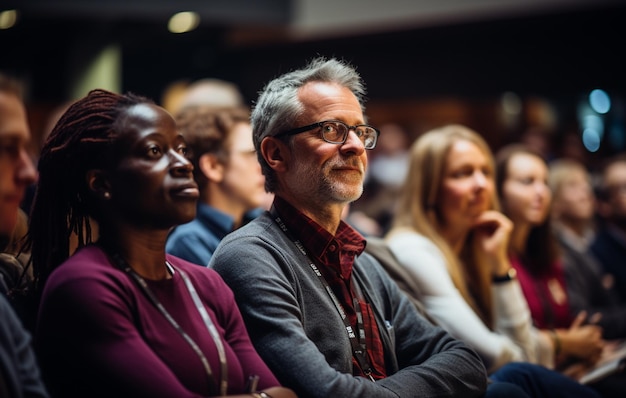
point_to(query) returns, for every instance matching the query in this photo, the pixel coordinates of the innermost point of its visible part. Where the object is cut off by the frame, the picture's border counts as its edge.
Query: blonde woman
(452, 240)
(449, 234)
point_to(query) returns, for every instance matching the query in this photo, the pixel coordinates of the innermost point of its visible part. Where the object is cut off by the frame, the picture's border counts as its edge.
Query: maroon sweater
(99, 335)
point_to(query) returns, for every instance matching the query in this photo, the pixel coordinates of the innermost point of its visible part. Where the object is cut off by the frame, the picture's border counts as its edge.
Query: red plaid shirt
(334, 255)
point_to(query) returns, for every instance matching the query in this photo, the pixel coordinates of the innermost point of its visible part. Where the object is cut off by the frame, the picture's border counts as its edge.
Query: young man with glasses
(323, 314)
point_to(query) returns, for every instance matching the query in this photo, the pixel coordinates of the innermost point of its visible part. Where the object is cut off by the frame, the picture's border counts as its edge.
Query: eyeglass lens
(337, 133)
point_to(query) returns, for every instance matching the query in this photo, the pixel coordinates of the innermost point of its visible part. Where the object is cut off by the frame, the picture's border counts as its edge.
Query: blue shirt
(196, 241)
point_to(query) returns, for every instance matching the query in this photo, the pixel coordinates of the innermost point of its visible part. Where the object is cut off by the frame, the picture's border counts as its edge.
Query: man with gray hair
(321, 312)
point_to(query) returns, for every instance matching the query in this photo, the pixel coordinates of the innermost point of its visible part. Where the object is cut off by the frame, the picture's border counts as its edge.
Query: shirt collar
(321, 246)
(213, 216)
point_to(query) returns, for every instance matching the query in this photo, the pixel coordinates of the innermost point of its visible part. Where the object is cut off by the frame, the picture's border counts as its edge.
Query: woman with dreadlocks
(119, 317)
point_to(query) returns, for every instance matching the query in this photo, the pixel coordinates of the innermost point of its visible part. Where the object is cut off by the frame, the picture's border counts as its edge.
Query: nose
(480, 179)
(26, 172)
(179, 163)
(543, 189)
(539, 186)
(353, 144)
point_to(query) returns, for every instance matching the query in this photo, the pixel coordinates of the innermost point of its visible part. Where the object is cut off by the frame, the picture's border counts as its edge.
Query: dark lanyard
(223, 385)
(359, 346)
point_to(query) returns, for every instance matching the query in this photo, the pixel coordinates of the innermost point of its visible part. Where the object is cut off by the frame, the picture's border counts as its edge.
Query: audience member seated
(19, 372)
(609, 245)
(119, 317)
(17, 173)
(589, 288)
(325, 316)
(522, 185)
(451, 243)
(228, 175)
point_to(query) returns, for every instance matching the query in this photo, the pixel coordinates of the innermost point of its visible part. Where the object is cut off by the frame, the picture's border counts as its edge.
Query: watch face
(510, 275)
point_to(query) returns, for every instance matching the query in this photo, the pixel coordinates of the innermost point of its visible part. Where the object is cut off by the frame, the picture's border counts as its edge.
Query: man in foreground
(325, 316)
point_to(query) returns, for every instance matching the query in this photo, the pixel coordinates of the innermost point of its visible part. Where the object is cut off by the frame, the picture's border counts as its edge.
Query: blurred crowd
(516, 250)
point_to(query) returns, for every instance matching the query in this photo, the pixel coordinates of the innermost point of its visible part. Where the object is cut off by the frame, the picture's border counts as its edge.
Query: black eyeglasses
(336, 132)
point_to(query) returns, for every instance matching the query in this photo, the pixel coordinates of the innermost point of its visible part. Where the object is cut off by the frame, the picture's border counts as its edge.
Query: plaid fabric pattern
(334, 255)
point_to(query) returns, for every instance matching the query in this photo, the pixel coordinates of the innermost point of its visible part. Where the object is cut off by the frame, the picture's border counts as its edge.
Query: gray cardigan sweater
(298, 332)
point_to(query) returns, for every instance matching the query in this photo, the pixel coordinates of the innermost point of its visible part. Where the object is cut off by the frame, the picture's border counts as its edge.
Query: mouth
(349, 168)
(479, 201)
(349, 173)
(346, 166)
(537, 206)
(186, 191)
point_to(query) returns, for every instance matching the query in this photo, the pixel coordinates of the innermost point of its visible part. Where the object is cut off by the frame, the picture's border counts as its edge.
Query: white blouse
(514, 338)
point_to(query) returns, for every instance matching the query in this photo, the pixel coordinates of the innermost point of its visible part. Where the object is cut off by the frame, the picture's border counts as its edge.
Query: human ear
(99, 184)
(276, 153)
(211, 167)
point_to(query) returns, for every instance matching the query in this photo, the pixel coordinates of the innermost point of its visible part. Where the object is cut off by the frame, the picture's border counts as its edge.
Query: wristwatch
(509, 276)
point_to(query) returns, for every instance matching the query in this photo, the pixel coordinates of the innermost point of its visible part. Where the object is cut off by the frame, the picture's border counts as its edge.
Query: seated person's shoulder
(378, 248)
(382, 254)
(380, 251)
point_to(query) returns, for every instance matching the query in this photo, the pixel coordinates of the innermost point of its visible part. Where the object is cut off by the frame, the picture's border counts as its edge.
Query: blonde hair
(560, 170)
(418, 210)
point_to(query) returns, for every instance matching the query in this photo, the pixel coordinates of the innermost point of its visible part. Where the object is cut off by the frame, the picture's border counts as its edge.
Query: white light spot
(183, 22)
(8, 19)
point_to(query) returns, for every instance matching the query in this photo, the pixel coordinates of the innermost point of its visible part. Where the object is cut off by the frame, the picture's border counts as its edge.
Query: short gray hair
(278, 108)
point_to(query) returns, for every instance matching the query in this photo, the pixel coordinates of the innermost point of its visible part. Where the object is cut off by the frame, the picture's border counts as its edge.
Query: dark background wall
(420, 76)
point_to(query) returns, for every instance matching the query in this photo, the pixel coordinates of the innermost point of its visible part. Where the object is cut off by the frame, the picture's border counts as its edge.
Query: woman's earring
(107, 195)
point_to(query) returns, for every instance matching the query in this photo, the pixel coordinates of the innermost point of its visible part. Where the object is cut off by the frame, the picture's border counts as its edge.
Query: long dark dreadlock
(80, 141)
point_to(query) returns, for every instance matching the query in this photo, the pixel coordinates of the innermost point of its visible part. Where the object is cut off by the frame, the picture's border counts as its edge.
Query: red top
(98, 335)
(546, 295)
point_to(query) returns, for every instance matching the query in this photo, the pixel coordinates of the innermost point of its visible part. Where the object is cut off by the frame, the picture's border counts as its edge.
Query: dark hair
(81, 140)
(10, 84)
(601, 190)
(207, 129)
(541, 249)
